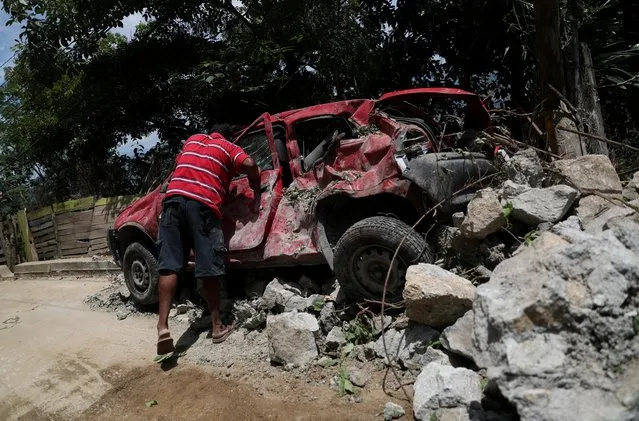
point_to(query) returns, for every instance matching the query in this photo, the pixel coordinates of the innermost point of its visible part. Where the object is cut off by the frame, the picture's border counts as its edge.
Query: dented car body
(325, 171)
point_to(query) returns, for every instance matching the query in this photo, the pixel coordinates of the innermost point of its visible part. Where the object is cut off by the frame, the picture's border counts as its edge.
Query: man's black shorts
(188, 224)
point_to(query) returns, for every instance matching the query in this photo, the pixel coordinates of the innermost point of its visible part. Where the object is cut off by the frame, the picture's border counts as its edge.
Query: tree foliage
(77, 90)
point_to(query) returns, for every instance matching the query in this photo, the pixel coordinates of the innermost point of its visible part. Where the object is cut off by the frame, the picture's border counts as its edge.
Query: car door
(246, 227)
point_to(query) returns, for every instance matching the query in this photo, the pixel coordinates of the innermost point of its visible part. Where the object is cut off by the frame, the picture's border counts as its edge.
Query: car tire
(364, 252)
(141, 274)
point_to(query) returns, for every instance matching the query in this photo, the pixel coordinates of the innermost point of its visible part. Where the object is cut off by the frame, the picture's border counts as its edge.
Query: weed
(530, 237)
(635, 324)
(343, 383)
(508, 210)
(483, 383)
(435, 343)
(359, 331)
(318, 304)
(433, 417)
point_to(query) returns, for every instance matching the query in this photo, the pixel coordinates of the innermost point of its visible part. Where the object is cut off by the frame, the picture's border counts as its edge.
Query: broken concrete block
(458, 338)
(590, 174)
(550, 204)
(442, 386)
(435, 297)
(334, 341)
(291, 338)
(393, 411)
(525, 168)
(590, 207)
(281, 297)
(484, 215)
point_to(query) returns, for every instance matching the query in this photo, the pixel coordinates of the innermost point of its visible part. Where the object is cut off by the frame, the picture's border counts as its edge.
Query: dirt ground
(60, 360)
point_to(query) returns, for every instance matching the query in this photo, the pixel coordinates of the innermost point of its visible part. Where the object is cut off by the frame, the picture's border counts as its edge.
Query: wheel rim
(369, 267)
(140, 274)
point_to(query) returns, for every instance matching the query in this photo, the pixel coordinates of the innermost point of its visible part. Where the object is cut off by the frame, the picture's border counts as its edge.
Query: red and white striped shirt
(204, 169)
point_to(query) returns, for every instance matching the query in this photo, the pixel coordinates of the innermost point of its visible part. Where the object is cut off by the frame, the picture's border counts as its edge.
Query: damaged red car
(343, 184)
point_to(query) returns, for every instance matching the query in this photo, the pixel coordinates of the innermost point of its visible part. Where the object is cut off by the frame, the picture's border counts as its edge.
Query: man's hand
(252, 170)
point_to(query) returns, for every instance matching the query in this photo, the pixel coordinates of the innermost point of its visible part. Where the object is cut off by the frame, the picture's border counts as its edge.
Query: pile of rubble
(529, 314)
(550, 333)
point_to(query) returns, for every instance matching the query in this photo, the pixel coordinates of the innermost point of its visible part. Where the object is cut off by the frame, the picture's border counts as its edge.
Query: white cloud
(129, 24)
(145, 143)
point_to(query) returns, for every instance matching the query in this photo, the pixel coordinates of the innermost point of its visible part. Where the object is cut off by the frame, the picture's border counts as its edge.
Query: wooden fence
(71, 229)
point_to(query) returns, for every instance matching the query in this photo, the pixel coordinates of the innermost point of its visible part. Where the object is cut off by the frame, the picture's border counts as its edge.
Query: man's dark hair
(224, 129)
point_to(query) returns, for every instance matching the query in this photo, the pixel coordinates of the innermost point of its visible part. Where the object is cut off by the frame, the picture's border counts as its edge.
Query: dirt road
(60, 360)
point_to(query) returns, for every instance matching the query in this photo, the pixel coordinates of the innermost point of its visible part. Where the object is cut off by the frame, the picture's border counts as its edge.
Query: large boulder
(556, 326)
(590, 174)
(436, 297)
(525, 168)
(484, 215)
(550, 204)
(458, 338)
(444, 387)
(291, 338)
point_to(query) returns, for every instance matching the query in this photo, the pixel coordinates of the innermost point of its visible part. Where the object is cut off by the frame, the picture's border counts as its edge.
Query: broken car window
(310, 133)
(256, 145)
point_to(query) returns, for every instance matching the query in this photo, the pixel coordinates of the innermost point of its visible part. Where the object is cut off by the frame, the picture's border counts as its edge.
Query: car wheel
(364, 252)
(141, 274)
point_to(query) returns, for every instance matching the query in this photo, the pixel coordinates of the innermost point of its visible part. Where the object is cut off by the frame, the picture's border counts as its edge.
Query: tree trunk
(550, 61)
(588, 102)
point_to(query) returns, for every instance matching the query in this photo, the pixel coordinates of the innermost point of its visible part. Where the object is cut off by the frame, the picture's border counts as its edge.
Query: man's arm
(250, 168)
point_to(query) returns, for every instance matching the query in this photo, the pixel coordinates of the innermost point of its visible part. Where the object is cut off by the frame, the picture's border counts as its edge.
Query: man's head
(224, 129)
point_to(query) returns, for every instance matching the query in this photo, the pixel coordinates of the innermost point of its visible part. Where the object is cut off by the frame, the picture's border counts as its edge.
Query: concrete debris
(525, 168)
(493, 255)
(246, 315)
(550, 204)
(358, 377)
(511, 189)
(283, 297)
(328, 318)
(408, 348)
(598, 223)
(458, 338)
(634, 182)
(393, 411)
(334, 341)
(291, 338)
(377, 324)
(5, 272)
(122, 314)
(556, 326)
(182, 308)
(435, 297)
(590, 174)
(590, 207)
(442, 386)
(484, 215)
(572, 223)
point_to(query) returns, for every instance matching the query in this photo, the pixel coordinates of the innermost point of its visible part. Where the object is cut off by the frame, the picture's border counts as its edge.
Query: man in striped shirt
(191, 219)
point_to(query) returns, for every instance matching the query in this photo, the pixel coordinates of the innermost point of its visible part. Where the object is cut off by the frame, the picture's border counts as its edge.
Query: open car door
(245, 227)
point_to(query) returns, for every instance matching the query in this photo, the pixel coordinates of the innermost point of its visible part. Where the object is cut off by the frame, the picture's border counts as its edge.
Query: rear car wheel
(141, 274)
(364, 252)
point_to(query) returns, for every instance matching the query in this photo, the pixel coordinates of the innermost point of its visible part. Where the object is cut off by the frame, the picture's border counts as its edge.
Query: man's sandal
(223, 336)
(165, 342)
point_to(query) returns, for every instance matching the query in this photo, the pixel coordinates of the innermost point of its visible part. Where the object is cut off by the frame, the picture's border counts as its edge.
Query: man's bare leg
(212, 290)
(167, 288)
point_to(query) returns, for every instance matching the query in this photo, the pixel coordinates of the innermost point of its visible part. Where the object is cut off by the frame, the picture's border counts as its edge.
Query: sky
(8, 35)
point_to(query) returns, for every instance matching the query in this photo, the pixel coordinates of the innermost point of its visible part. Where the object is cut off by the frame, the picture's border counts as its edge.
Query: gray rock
(511, 189)
(182, 308)
(554, 327)
(334, 341)
(525, 168)
(458, 338)
(408, 348)
(545, 226)
(377, 324)
(393, 411)
(328, 318)
(597, 224)
(291, 338)
(572, 223)
(358, 377)
(441, 386)
(436, 297)
(629, 193)
(590, 174)
(590, 207)
(484, 215)
(122, 314)
(282, 297)
(549, 204)
(458, 219)
(493, 255)
(634, 182)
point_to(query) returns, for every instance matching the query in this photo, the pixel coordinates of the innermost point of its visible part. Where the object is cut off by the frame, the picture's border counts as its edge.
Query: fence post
(26, 237)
